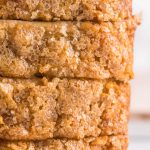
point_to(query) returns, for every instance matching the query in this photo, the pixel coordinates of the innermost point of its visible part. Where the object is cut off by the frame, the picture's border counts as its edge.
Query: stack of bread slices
(65, 67)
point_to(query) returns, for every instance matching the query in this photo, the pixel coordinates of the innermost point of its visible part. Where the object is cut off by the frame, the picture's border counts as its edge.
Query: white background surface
(140, 130)
(141, 84)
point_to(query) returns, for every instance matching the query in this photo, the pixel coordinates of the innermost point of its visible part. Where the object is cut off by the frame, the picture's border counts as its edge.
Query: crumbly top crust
(51, 10)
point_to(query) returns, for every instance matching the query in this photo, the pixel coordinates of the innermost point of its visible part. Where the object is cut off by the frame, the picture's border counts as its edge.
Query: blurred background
(139, 127)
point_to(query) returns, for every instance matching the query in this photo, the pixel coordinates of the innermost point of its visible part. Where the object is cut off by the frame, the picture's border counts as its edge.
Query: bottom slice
(100, 143)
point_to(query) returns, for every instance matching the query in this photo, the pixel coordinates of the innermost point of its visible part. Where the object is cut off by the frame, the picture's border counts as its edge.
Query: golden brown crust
(67, 49)
(99, 143)
(48, 10)
(62, 108)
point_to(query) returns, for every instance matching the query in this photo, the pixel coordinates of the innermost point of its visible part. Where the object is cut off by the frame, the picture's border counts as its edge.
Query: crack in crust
(37, 109)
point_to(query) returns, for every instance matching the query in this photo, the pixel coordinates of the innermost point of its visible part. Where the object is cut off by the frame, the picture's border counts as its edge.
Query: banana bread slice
(37, 109)
(67, 49)
(100, 143)
(48, 10)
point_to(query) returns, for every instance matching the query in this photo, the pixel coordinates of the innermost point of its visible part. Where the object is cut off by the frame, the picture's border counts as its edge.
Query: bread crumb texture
(67, 49)
(48, 10)
(99, 143)
(37, 109)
